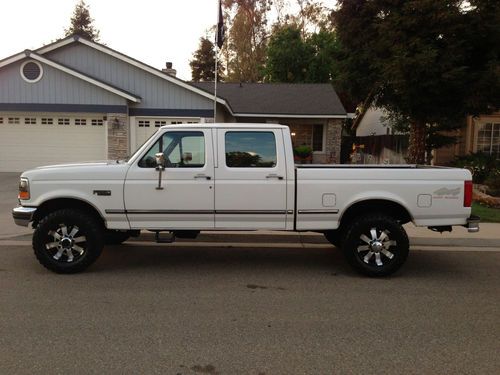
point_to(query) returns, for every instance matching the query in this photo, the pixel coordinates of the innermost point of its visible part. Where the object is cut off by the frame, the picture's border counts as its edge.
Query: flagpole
(215, 83)
(216, 60)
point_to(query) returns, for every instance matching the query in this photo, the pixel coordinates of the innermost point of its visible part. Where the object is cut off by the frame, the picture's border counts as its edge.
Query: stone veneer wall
(118, 136)
(333, 140)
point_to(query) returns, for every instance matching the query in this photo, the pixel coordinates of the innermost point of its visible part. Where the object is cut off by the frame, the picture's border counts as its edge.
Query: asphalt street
(249, 310)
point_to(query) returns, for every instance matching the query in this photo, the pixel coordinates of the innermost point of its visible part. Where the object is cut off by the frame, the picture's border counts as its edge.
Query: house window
(63, 121)
(1, 120)
(144, 123)
(30, 120)
(317, 138)
(97, 122)
(47, 121)
(13, 120)
(160, 123)
(80, 121)
(176, 122)
(488, 139)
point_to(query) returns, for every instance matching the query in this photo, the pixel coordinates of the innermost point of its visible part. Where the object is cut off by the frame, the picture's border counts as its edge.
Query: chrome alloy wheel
(375, 248)
(68, 243)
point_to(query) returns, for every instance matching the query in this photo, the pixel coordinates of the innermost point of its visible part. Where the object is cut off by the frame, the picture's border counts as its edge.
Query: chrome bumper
(473, 224)
(23, 215)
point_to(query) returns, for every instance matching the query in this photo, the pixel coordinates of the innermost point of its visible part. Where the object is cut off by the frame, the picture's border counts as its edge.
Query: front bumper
(23, 215)
(473, 224)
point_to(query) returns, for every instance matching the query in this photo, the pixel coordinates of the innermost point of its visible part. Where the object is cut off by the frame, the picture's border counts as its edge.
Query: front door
(250, 179)
(186, 197)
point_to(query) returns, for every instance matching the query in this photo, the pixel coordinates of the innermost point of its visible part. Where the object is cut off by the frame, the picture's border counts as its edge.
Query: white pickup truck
(192, 177)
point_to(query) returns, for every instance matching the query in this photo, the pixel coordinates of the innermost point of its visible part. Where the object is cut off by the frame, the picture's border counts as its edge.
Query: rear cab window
(250, 149)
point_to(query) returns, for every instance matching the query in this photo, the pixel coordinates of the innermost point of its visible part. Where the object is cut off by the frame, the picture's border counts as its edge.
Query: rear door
(250, 179)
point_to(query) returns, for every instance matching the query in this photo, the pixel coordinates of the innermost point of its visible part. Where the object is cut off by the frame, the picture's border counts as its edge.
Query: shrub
(302, 151)
(481, 165)
(493, 183)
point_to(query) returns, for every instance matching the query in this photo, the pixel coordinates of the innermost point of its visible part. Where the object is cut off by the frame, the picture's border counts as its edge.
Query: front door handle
(203, 176)
(274, 176)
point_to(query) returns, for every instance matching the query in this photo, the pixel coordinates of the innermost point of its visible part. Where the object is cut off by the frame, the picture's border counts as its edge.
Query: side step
(168, 239)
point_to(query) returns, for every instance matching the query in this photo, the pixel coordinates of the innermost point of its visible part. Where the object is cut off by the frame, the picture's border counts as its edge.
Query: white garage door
(28, 141)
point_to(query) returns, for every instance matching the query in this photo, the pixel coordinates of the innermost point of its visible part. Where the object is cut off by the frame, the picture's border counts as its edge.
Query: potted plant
(303, 154)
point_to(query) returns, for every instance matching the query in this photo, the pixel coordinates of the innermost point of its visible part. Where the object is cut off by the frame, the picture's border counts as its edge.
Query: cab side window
(181, 149)
(247, 149)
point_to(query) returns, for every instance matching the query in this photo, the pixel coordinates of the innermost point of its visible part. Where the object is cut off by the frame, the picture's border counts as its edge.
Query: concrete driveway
(8, 200)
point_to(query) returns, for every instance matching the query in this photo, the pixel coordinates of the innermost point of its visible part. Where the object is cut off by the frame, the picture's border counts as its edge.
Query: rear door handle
(274, 176)
(203, 176)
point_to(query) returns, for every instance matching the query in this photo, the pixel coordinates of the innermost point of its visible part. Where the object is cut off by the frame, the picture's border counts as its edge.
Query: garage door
(28, 141)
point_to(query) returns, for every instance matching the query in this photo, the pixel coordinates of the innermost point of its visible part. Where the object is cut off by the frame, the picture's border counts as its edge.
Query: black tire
(68, 241)
(376, 245)
(115, 237)
(334, 237)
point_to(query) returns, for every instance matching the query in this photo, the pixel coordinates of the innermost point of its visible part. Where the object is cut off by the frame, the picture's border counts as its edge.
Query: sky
(152, 31)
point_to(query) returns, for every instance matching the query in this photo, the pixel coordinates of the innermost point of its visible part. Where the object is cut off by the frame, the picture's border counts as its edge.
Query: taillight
(467, 193)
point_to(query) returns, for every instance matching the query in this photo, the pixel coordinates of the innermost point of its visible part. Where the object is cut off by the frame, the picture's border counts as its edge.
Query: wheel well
(386, 207)
(56, 204)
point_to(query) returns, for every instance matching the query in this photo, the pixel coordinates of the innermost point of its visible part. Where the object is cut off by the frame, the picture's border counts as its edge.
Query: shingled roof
(288, 99)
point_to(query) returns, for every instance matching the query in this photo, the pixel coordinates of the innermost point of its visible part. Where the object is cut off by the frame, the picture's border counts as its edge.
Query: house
(313, 112)
(76, 100)
(477, 134)
(376, 142)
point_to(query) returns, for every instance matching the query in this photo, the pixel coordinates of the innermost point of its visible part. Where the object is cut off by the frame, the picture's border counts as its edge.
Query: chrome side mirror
(160, 160)
(160, 167)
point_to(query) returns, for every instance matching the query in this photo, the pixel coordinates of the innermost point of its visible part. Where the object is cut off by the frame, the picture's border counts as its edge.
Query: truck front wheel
(68, 241)
(376, 245)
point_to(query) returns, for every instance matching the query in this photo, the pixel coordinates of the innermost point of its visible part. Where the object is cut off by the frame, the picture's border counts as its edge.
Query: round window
(31, 71)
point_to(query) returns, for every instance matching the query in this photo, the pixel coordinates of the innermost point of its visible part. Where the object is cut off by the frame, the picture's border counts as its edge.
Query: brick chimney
(169, 69)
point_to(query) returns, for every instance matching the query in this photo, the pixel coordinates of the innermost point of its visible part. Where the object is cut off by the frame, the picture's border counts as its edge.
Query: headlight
(24, 189)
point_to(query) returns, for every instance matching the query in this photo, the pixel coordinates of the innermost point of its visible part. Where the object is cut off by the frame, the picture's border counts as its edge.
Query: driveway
(8, 200)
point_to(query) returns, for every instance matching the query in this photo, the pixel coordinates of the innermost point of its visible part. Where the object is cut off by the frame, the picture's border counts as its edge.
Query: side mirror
(160, 160)
(160, 167)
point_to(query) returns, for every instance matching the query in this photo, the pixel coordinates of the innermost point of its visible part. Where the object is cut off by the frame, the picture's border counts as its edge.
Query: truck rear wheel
(68, 241)
(376, 245)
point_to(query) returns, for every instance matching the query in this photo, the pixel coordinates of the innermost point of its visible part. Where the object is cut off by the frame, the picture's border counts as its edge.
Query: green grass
(487, 215)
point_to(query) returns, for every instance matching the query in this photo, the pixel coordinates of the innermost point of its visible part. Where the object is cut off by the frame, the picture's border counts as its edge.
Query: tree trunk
(416, 149)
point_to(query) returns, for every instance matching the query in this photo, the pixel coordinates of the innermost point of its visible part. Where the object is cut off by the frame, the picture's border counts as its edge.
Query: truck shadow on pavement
(129, 257)
(420, 264)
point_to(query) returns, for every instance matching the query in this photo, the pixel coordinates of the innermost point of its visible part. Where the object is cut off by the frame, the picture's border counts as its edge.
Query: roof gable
(70, 71)
(111, 52)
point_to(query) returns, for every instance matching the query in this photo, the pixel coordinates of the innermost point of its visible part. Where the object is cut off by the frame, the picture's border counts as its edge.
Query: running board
(169, 239)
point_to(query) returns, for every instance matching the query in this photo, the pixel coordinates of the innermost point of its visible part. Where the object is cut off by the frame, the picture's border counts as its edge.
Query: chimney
(169, 69)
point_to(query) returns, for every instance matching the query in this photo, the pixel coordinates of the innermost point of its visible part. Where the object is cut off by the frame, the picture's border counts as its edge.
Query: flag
(220, 27)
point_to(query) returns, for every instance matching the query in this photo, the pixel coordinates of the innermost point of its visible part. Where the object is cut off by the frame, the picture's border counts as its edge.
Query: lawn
(487, 215)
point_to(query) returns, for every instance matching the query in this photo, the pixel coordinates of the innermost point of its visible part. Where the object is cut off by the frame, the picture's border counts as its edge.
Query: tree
(294, 58)
(81, 23)
(287, 56)
(247, 40)
(430, 62)
(203, 63)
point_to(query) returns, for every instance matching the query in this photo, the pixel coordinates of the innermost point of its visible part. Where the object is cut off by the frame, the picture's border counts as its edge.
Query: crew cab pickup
(193, 177)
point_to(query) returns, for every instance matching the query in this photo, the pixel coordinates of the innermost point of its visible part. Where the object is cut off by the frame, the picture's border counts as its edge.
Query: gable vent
(31, 71)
